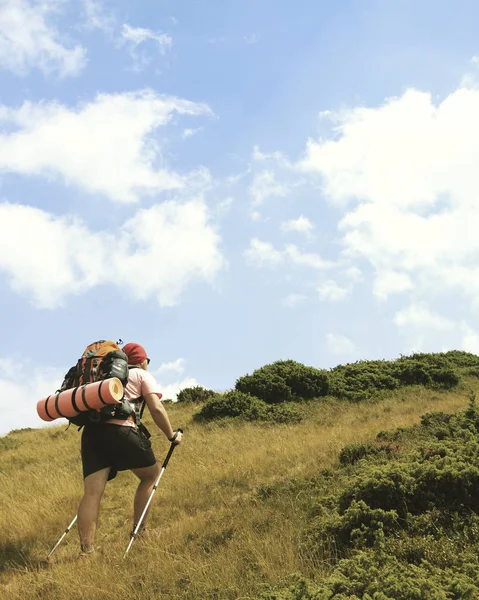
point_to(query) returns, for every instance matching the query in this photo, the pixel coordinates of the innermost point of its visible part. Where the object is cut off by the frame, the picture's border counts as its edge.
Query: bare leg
(94, 486)
(147, 477)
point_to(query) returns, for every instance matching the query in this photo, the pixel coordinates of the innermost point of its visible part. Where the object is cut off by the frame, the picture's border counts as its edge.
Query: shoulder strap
(139, 412)
(138, 401)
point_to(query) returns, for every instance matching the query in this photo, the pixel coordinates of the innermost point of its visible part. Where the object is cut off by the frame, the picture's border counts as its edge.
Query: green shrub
(264, 385)
(410, 372)
(284, 380)
(444, 378)
(284, 413)
(287, 380)
(303, 381)
(194, 394)
(472, 371)
(361, 380)
(402, 529)
(353, 452)
(233, 404)
(8, 443)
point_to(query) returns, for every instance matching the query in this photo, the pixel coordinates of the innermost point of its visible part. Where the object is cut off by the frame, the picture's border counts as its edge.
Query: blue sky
(232, 183)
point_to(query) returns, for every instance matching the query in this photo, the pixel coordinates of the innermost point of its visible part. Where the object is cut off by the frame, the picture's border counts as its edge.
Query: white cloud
(109, 146)
(20, 391)
(470, 339)
(96, 17)
(391, 282)
(164, 248)
(306, 259)
(406, 176)
(223, 207)
(7, 368)
(354, 274)
(171, 390)
(330, 290)
(302, 225)
(293, 300)
(138, 35)
(189, 132)
(265, 186)
(262, 254)
(276, 158)
(174, 366)
(339, 344)
(418, 315)
(30, 40)
(135, 36)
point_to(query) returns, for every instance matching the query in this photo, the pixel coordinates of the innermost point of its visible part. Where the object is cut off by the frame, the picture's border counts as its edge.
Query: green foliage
(361, 380)
(287, 380)
(194, 394)
(403, 520)
(265, 385)
(284, 380)
(232, 404)
(8, 443)
(235, 404)
(284, 413)
(354, 452)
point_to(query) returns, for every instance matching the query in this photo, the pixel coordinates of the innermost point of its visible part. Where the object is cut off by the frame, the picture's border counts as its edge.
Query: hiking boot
(86, 550)
(142, 531)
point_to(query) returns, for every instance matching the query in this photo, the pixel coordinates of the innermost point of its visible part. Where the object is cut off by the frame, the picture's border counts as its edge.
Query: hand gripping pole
(138, 525)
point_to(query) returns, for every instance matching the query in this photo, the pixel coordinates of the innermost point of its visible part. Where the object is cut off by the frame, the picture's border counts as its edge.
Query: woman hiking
(120, 445)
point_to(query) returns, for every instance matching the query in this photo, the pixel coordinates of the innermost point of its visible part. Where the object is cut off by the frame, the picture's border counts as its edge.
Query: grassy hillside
(244, 505)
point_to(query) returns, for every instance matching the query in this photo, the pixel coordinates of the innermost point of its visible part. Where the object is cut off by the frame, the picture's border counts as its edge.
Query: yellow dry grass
(210, 537)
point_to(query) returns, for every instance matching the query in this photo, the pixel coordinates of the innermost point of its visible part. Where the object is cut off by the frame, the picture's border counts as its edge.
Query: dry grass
(210, 537)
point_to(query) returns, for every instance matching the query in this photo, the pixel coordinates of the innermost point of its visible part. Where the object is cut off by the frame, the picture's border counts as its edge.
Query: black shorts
(116, 446)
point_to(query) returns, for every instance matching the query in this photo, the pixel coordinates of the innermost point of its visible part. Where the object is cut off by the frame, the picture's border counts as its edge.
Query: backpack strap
(139, 410)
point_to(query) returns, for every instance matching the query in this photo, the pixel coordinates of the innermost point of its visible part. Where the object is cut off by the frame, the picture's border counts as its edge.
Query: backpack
(100, 360)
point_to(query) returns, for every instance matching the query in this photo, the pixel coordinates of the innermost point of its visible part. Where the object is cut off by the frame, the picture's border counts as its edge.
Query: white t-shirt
(140, 383)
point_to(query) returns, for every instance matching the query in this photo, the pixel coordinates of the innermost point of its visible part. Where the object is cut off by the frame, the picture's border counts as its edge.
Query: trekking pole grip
(175, 435)
(172, 447)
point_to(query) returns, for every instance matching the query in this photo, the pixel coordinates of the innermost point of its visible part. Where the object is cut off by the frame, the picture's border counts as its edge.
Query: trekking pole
(61, 539)
(138, 525)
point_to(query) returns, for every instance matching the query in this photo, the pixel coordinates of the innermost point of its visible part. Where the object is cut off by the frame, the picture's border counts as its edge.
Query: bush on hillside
(455, 359)
(285, 380)
(194, 394)
(284, 413)
(361, 380)
(397, 525)
(232, 404)
(264, 385)
(8, 443)
(421, 506)
(235, 404)
(352, 453)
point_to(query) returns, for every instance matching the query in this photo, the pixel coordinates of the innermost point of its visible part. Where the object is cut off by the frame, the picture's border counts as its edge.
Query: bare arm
(160, 417)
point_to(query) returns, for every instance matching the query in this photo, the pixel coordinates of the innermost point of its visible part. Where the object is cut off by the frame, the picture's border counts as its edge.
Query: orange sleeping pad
(70, 403)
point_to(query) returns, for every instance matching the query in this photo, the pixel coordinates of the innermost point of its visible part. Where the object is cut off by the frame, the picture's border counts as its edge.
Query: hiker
(120, 445)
